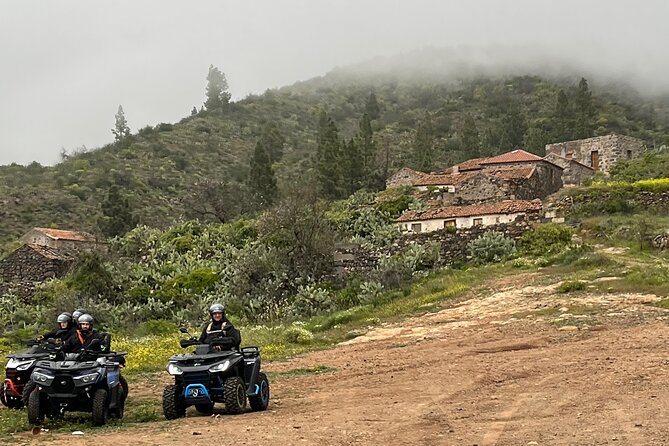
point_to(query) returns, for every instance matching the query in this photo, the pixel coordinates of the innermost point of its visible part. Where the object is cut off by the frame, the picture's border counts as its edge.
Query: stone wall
(356, 258)
(610, 148)
(25, 264)
(654, 201)
(573, 172)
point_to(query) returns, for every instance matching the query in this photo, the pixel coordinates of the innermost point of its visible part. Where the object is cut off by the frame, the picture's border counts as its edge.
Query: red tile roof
(61, 234)
(500, 207)
(443, 179)
(472, 164)
(516, 156)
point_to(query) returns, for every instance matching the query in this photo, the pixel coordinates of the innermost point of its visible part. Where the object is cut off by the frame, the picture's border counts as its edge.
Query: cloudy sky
(66, 65)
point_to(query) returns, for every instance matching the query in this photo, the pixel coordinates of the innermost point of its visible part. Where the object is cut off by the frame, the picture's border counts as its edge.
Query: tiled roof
(443, 179)
(516, 156)
(500, 207)
(49, 253)
(61, 234)
(472, 164)
(513, 173)
(562, 158)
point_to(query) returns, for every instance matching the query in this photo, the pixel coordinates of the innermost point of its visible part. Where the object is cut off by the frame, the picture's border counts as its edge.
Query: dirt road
(495, 369)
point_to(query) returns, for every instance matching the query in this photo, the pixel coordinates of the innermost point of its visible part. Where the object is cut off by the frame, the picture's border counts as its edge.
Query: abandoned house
(62, 240)
(516, 175)
(34, 263)
(485, 214)
(599, 153)
(573, 172)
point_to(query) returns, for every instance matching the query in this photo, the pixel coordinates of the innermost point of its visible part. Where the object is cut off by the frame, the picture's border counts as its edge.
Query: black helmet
(64, 317)
(217, 308)
(77, 313)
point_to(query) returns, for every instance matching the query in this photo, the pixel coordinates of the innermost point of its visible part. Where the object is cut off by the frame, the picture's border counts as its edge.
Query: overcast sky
(66, 65)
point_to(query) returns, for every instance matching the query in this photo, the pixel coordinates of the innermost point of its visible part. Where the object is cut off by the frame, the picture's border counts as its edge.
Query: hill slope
(158, 167)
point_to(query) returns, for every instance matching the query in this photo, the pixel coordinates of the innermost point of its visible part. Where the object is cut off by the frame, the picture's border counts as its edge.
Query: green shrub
(545, 239)
(569, 286)
(156, 327)
(296, 334)
(311, 300)
(490, 247)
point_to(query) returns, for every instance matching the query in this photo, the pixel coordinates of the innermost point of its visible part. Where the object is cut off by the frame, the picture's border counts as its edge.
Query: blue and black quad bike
(17, 386)
(87, 381)
(218, 372)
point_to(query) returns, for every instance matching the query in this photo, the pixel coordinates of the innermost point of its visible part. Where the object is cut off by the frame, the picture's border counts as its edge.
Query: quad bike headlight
(40, 377)
(87, 378)
(173, 369)
(25, 365)
(222, 367)
(17, 364)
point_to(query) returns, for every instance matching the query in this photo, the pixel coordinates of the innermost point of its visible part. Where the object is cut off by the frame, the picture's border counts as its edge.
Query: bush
(311, 300)
(546, 239)
(156, 327)
(490, 247)
(296, 334)
(571, 285)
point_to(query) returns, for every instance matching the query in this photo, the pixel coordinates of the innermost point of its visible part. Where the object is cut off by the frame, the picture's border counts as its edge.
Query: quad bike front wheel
(173, 405)
(234, 394)
(36, 408)
(27, 390)
(260, 400)
(100, 407)
(122, 395)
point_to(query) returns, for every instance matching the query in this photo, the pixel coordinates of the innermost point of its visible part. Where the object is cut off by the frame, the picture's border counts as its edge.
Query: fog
(66, 66)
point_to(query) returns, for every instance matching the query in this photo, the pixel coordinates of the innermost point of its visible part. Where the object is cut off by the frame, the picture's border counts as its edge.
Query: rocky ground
(512, 363)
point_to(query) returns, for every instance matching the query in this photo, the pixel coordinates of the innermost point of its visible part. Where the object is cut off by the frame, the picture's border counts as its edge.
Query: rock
(532, 443)
(568, 328)
(77, 433)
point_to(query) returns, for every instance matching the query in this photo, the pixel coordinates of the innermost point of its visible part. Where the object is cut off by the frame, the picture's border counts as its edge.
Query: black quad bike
(88, 381)
(16, 386)
(218, 372)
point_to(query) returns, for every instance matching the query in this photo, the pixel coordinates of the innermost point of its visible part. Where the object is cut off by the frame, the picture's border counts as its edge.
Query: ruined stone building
(62, 240)
(34, 263)
(573, 172)
(599, 153)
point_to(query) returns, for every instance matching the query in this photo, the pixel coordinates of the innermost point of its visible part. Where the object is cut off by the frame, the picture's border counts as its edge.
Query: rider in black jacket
(64, 330)
(83, 336)
(220, 327)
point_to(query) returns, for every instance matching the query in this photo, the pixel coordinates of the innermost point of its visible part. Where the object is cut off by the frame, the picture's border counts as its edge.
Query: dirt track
(468, 375)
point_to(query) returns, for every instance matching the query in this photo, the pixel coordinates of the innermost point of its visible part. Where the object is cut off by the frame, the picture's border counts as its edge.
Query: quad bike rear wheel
(234, 395)
(100, 407)
(260, 400)
(122, 395)
(173, 405)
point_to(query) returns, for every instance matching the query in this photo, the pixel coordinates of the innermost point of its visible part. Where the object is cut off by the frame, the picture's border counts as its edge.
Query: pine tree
(513, 128)
(328, 158)
(273, 141)
(584, 111)
(367, 155)
(562, 118)
(117, 217)
(217, 90)
(352, 167)
(121, 129)
(262, 181)
(423, 150)
(372, 108)
(470, 137)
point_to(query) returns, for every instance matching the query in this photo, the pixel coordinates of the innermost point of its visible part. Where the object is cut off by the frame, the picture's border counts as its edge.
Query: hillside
(158, 168)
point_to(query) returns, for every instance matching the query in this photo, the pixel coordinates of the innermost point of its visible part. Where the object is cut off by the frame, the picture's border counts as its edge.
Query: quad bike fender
(254, 366)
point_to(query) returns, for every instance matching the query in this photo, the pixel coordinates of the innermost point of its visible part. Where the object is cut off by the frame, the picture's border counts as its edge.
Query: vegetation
(490, 247)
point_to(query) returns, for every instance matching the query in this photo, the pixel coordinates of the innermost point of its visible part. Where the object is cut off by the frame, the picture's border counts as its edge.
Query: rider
(219, 327)
(64, 329)
(83, 336)
(76, 314)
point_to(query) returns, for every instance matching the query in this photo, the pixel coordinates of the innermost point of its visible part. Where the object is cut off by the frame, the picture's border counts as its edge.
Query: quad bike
(218, 372)
(17, 385)
(88, 381)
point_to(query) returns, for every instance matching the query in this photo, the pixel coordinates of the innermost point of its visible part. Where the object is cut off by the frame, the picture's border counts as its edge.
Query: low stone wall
(453, 245)
(568, 203)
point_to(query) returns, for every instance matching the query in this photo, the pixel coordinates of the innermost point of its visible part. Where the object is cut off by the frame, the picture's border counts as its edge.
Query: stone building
(573, 172)
(34, 263)
(403, 177)
(457, 217)
(62, 240)
(599, 153)
(516, 175)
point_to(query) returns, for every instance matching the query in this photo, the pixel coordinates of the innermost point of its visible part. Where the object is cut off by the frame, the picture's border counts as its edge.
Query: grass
(569, 286)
